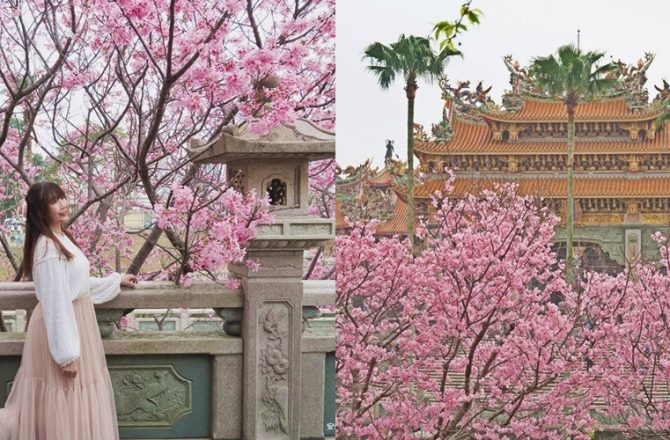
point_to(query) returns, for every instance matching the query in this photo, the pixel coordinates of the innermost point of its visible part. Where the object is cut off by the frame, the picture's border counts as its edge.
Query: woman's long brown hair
(40, 196)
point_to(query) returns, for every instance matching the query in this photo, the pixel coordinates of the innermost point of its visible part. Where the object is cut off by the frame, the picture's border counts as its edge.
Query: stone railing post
(272, 333)
(272, 324)
(275, 165)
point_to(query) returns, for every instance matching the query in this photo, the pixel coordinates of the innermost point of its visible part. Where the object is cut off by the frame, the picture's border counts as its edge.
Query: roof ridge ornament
(663, 93)
(463, 101)
(630, 78)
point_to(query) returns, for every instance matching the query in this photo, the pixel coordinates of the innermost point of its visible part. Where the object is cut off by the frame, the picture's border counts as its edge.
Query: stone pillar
(272, 333)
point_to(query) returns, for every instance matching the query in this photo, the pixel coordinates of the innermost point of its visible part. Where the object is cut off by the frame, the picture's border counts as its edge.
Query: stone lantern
(275, 164)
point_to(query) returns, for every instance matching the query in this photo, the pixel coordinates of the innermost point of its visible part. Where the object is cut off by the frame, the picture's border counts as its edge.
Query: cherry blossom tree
(319, 263)
(107, 97)
(469, 339)
(629, 334)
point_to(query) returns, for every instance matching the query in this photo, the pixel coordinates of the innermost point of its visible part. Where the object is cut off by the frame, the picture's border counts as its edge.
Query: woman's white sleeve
(105, 289)
(50, 280)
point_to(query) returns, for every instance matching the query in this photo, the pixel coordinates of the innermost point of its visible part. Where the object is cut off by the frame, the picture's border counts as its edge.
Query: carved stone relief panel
(150, 395)
(273, 382)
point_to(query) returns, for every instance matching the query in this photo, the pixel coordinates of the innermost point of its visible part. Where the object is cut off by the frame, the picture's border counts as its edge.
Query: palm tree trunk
(411, 94)
(570, 219)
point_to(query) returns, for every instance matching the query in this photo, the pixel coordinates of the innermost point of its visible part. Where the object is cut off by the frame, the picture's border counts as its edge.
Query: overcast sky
(366, 115)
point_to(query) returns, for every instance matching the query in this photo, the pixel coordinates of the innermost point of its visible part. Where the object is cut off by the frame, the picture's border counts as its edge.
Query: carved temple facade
(622, 162)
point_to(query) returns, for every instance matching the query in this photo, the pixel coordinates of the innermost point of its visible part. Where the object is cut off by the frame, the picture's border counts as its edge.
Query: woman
(62, 390)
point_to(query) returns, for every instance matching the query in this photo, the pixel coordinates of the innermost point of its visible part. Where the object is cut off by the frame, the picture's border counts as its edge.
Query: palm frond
(573, 74)
(411, 57)
(664, 117)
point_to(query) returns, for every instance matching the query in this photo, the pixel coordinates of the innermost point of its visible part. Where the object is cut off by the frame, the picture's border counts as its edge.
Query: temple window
(276, 190)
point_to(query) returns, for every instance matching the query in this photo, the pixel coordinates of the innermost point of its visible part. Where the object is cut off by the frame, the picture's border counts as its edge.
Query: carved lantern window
(276, 190)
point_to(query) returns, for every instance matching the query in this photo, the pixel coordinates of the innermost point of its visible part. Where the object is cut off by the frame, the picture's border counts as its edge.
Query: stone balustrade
(189, 384)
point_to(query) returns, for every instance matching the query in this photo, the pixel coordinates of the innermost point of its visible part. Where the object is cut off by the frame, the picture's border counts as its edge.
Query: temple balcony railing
(189, 384)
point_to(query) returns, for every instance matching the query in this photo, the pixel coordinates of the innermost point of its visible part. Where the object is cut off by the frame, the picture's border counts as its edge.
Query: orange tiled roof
(398, 223)
(384, 178)
(556, 187)
(538, 109)
(472, 137)
(339, 217)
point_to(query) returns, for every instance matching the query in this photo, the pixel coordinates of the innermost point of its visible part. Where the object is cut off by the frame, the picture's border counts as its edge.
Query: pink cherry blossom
(480, 336)
(117, 95)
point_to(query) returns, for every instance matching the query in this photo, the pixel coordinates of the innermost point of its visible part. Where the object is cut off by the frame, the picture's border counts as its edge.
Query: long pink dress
(43, 403)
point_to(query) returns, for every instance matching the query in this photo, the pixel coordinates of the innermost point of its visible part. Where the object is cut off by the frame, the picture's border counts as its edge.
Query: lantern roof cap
(299, 139)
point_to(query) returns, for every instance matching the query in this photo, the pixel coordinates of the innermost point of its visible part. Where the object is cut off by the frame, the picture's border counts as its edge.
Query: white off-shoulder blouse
(58, 282)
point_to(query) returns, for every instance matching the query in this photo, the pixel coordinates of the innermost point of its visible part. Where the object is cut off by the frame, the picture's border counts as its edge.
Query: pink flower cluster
(120, 96)
(481, 337)
(215, 227)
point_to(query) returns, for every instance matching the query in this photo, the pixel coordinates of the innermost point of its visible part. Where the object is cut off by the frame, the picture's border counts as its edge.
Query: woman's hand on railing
(129, 281)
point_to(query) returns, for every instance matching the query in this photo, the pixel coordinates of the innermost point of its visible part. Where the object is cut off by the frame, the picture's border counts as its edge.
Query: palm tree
(412, 58)
(573, 76)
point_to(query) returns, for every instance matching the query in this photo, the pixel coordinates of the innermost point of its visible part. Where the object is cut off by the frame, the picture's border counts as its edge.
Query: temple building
(622, 162)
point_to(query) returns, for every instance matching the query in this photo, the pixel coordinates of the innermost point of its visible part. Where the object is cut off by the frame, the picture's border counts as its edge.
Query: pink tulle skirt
(43, 404)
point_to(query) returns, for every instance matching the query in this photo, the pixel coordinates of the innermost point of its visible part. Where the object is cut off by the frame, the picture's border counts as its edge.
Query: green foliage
(411, 57)
(663, 117)
(572, 75)
(449, 30)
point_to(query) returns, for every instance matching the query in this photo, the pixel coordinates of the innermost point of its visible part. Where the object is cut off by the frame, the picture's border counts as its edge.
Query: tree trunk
(570, 211)
(312, 264)
(154, 235)
(29, 141)
(145, 250)
(101, 214)
(8, 250)
(411, 94)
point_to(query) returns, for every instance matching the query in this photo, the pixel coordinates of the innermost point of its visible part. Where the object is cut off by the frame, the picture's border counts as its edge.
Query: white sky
(367, 116)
